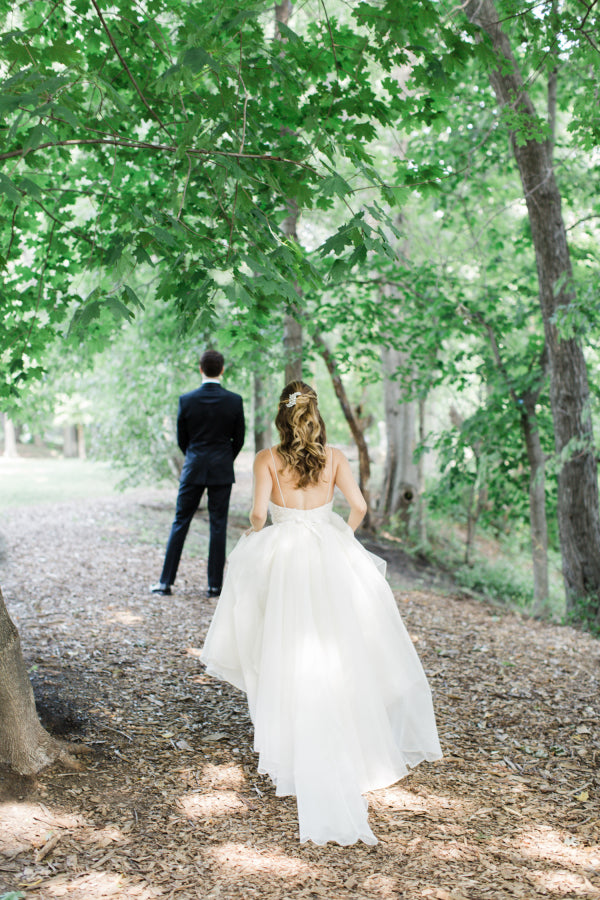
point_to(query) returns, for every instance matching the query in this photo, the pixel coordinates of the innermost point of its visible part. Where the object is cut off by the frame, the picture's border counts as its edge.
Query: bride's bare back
(268, 468)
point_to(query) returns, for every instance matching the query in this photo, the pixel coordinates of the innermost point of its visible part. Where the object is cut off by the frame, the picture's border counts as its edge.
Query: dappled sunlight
(547, 843)
(243, 860)
(384, 885)
(565, 884)
(223, 776)
(26, 825)
(400, 800)
(98, 886)
(171, 806)
(207, 806)
(219, 793)
(125, 617)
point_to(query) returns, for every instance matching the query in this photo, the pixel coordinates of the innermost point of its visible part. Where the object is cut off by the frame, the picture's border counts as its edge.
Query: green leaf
(286, 32)
(9, 189)
(37, 136)
(31, 188)
(132, 297)
(197, 59)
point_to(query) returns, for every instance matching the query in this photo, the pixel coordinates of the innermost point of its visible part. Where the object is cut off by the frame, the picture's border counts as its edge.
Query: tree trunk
(578, 510)
(421, 504)
(537, 509)
(25, 746)
(477, 500)
(81, 449)
(292, 343)
(70, 449)
(10, 438)
(364, 463)
(292, 329)
(262, 420)
(400, 479)
(526, 403)
(478, 493)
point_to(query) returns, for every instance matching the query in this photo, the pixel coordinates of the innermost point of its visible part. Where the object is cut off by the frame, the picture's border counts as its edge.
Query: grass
(25, 481)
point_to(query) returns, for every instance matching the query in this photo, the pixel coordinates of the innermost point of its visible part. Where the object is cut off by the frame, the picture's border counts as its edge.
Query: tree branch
(584, 219)
(128, 70)
(166, 148)
(337, 75)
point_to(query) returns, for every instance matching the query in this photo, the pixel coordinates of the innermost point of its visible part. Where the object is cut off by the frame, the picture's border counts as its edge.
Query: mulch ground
(170, 804)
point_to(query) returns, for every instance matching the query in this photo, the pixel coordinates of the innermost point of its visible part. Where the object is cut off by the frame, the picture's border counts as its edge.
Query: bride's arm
(262, 491)
(346, 482)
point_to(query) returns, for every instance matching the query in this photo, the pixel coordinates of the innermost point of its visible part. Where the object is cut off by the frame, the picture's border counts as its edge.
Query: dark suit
(210, 431)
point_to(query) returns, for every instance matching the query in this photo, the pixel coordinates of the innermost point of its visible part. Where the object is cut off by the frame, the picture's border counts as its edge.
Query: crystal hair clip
(292, 398)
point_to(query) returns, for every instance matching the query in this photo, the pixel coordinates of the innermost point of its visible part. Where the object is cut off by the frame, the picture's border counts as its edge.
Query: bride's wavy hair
(302, 436)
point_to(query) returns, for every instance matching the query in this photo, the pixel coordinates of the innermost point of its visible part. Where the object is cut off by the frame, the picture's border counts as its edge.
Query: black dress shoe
(213, 592)
(160, 588)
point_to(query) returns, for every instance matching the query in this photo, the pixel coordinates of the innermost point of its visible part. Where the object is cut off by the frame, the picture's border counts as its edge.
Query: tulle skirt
(308, 628)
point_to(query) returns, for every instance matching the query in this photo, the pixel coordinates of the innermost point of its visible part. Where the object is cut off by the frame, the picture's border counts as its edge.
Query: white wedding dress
(308, 628)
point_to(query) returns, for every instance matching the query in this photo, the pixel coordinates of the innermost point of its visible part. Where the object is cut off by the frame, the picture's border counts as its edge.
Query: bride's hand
(248, 531)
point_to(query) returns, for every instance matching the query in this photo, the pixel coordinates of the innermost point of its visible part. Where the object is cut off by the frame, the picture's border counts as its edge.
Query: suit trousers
(188, 500)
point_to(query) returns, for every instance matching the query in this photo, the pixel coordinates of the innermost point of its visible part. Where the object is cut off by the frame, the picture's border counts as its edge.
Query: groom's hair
(211, 363)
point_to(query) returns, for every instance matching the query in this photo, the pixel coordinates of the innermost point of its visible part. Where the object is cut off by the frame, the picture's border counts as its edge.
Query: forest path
(171, 806)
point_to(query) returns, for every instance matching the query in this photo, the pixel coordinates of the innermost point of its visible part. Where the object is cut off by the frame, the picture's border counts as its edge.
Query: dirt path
(171, 805)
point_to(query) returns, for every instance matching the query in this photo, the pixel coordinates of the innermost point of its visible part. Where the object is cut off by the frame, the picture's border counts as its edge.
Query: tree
(400, 481)
(112, 174)
(578, 504)
(24, 745)
(444, 46)
(186, 169)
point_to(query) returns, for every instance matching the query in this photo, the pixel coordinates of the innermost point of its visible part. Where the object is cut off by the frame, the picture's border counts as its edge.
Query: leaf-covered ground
(171, 806)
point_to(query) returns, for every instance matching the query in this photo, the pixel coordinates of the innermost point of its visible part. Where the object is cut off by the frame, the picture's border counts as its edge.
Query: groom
(210, 431)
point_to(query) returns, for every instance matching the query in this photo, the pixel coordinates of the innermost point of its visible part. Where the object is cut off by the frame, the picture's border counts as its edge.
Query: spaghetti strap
(331, 476)
(277, 477)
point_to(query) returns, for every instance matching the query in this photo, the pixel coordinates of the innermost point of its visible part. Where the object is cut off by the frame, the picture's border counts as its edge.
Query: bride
(308, 628)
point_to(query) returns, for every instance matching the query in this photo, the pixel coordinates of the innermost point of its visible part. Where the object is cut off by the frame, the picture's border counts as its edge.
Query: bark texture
(25, 746)
(262, 420)
(578, 512)
(421, 502)
(537, 508)
(364, 463)
(400, 488)
(292, 329)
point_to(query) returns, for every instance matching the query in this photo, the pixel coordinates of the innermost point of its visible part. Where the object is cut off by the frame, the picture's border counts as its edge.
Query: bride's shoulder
(336, 454)
(262, 458)
(266, 457)
(339, 461)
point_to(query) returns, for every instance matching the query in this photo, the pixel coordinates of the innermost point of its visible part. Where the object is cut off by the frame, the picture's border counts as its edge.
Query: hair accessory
(292, 398)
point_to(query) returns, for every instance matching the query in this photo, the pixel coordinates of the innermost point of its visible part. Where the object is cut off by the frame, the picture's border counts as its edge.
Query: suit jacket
(210, 431)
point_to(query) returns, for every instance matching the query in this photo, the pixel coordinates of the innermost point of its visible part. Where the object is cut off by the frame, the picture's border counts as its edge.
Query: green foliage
(149, 160)
(186, 166)
(583, 613)
(498, 581)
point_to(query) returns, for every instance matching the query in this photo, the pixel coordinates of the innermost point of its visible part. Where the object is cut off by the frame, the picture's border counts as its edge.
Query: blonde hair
(302, 435)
